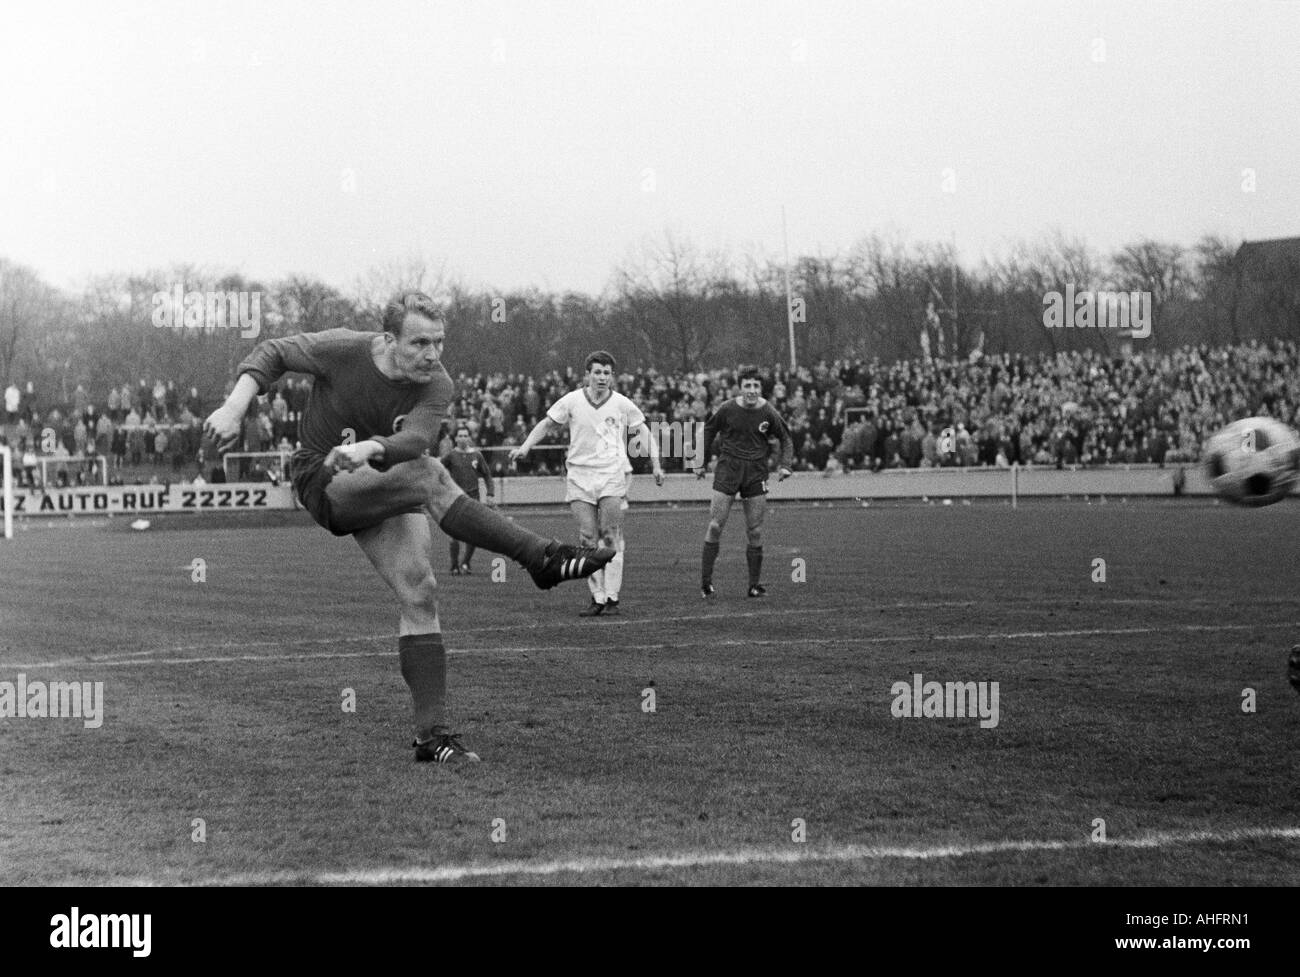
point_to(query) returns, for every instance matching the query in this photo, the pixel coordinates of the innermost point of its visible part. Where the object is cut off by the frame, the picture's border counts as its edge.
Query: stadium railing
(1011, 485)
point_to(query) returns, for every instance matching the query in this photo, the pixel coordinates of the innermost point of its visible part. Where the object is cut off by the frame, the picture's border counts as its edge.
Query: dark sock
(455, 553)
(754, 557)
(424, 666)
(706, 566)
(469, 554)
(473, 522)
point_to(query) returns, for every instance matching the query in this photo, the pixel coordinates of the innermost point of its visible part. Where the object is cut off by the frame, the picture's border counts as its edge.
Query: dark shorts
(748, 477)
(311, 479)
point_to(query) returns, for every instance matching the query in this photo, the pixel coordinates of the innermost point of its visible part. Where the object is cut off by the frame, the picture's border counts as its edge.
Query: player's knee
(714, 532)
(754, 536)
(419, 589)
(610, 538)
(587, 537)
(436, 478)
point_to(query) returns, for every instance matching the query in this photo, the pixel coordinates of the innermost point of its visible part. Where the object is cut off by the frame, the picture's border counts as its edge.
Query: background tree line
(669, 305)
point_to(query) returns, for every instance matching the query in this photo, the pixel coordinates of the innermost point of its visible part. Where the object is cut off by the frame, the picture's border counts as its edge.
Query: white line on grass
(659, 646)
(790, 855)
(142, 657)
(1091, 632)
(548, 625)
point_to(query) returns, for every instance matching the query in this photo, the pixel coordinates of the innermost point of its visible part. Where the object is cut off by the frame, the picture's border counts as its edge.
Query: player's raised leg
(755, 512)
(400, 549)
(586, 515)
(719, 510)
(611, 537)
(364, 497)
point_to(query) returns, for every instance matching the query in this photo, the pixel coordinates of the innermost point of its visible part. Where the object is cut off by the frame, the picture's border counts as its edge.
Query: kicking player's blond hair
(403, 304)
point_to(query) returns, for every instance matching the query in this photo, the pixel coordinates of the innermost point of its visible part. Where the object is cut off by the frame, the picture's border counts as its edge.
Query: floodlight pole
(789, 298)
(954, 288)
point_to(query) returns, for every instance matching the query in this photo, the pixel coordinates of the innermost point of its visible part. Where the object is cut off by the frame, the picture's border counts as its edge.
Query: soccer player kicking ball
(599, 420)
(740, 428)
(374, 411)
(466, 463)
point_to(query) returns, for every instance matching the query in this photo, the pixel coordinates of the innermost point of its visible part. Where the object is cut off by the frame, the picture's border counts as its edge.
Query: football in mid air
(1254, 461)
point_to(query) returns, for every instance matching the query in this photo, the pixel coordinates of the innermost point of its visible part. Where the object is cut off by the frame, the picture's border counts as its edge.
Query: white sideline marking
(549, 625)
(657, 646)
(605, 624)
(790, 855)
(1100, 631)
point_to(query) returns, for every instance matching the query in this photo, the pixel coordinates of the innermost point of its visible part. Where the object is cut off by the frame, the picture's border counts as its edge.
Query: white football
(1254, 462)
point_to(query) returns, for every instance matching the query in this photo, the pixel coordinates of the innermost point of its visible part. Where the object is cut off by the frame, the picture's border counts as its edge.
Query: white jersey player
(599, 419)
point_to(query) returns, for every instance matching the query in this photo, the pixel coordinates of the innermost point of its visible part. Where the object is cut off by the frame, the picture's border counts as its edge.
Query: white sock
(614, 573)
(597, 584)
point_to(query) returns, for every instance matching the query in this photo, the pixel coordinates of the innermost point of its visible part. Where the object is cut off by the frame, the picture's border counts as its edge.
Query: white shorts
(585, 485)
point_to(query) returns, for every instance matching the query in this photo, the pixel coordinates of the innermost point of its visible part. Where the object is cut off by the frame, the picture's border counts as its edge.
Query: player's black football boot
(443, 749)
(611, 607)
(567, 562)
(758, 590)
(707, 591)
(594, 609)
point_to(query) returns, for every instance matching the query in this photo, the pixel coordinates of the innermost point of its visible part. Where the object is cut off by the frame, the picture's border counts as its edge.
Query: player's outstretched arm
(641, 434)
(544, 427)
(223, 424)
(269, 360)
(706, 448)
(787, 448)
(491, 497)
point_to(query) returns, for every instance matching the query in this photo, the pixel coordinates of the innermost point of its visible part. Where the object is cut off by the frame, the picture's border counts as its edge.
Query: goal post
(99, 462)
(241, 466)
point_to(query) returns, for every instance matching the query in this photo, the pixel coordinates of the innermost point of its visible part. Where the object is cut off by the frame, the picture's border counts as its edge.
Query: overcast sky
(536, 143)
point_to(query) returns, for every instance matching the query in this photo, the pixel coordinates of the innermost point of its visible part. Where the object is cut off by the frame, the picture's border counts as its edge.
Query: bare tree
(884, 272)
(380, 283)
(1214, 286)
(28, 306)
(666, 293)
(825, 285)
(309, 305)
(1155, 267)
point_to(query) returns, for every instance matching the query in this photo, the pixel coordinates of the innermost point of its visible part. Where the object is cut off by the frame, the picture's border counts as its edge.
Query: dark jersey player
(363, 470)
(740, 431)
(466, 465)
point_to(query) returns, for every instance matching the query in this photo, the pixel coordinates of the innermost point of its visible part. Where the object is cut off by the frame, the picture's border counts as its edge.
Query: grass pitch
(1119, 702)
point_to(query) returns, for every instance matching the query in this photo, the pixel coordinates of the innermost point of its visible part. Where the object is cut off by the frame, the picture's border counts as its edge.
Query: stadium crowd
(1073, 408)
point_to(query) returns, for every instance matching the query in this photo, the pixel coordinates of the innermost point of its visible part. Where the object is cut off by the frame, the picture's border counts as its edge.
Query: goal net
(256, 466)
